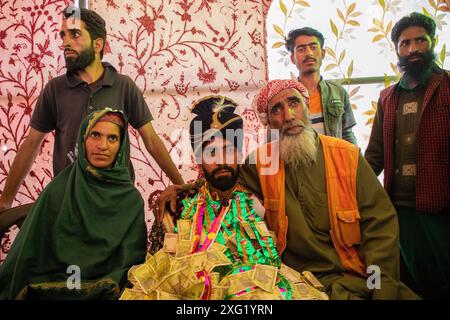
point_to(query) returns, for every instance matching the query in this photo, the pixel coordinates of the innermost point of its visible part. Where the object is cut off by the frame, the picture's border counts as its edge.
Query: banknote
(265, 277)
(184, 229)
(172, 285)
(217, 247)
(130, 294)
(215, 278)
(215, 259)
(160, 262)
(259, 294)
(184, 248)
(162, 295)
(248, 229)
(167, 222)
(218, 292)
(145, 278)
(290, 274)
(262, 228)
(198, 261)
(130, 276)
(194, 292)
(170, 242)
(240, 281)
(302, 292)
(312, 280)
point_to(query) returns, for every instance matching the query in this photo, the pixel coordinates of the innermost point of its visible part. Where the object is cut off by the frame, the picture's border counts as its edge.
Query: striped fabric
(316, 112)
(317, 122)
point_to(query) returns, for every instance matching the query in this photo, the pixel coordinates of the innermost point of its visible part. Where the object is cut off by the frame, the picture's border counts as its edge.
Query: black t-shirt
(67, 99)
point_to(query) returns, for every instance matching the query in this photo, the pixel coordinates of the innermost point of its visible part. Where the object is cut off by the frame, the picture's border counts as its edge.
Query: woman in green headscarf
(87, 228)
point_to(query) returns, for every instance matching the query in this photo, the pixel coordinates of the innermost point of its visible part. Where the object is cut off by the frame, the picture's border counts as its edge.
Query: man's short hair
(306, 31)
(415, 19)
(95, 25)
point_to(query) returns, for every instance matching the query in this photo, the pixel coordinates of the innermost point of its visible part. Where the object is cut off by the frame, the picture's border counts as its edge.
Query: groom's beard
(222, 183)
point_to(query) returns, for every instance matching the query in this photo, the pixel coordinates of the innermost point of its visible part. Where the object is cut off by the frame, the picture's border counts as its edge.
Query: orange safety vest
(341, 165)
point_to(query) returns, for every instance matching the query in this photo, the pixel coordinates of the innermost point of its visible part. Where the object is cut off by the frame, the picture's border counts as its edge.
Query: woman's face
(102, 144)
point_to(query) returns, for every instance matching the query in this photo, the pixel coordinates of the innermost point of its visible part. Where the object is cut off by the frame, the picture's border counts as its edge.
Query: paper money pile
(172, 274)
(305, 286)
(260, 284)
(165, 276)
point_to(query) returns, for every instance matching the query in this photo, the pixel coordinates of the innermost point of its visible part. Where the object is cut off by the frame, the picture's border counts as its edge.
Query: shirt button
(396, 141)
(91, 107)
(396, 171)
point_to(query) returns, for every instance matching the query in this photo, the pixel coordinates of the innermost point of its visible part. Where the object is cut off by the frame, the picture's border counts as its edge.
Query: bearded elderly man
(330, 213)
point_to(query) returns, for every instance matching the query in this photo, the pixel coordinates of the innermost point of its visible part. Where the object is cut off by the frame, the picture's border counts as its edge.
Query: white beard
(299, 150)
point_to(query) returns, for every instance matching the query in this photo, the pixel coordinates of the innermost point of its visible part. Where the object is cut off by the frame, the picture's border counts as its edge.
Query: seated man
(330, 213)
(86, 229)
(220, 248)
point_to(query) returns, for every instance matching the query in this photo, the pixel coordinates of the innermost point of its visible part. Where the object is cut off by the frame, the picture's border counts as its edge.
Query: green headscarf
(88, 217)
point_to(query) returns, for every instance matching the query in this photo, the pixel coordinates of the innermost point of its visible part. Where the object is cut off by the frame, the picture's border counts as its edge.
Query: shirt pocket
(315, 208)
(348, 227)
(335, 108)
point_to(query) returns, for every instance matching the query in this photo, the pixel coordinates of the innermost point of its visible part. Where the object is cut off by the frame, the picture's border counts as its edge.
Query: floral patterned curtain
(176, 51)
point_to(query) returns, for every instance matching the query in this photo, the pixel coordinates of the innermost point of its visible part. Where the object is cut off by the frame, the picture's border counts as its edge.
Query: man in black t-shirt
(88, 85)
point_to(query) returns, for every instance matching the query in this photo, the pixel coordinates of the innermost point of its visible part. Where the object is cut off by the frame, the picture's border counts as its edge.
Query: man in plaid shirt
(410, 140)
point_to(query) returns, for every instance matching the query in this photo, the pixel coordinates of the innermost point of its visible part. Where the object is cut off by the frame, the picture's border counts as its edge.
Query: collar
(107, 78)
(320, 79)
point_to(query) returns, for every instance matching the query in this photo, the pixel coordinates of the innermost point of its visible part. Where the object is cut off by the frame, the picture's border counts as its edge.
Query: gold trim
(211, 96)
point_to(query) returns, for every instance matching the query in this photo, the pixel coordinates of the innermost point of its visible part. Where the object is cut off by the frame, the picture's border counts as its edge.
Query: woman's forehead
(105, 127)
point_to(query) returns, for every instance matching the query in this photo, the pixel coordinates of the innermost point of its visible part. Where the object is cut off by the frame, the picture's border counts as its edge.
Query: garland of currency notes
(214, 228)
(237, 219)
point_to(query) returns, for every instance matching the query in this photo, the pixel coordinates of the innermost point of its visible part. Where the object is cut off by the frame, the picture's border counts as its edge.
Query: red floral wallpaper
(176, 51)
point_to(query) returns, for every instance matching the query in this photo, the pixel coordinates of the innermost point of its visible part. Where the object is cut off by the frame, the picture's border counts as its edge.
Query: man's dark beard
(222, 183)
(418, 70)
(80, 62)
